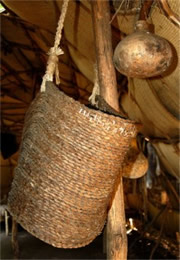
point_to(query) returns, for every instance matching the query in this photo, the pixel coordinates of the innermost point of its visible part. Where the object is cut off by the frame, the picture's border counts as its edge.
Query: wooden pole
(116, 230)
(14, 239)
(116, 227)
(105, 67)
(6, 222)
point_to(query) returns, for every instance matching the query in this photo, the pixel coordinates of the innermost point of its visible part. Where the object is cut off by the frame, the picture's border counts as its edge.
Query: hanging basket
(70, 159)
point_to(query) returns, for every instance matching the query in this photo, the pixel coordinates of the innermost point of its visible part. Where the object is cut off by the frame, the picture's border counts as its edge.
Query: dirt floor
(33, 248)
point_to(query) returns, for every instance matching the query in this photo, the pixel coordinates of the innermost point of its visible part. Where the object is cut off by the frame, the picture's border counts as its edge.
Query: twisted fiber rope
(52, 63)
(67, 169)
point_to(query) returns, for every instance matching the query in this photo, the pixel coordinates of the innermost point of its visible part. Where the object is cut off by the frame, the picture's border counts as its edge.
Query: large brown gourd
(142, 54)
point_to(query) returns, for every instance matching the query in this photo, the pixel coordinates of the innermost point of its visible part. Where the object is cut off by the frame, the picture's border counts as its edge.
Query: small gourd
(142, 54)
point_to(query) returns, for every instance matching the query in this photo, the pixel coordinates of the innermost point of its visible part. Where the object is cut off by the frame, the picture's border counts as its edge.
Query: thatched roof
(27, 34)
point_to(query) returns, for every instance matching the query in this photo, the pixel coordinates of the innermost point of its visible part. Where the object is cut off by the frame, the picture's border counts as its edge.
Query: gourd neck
(141, 26)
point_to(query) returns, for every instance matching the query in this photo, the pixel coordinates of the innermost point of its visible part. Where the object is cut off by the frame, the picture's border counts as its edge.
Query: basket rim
(50, 84)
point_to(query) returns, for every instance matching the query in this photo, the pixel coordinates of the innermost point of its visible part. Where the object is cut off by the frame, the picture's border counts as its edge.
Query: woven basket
(70, 159)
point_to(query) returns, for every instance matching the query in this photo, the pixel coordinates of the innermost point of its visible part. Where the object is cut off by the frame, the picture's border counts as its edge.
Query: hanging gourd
(142, 54)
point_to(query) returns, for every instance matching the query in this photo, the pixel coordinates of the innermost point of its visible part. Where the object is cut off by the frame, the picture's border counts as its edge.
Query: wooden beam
(116, 226)
(104, 54)
(116, 229)
(14, 239)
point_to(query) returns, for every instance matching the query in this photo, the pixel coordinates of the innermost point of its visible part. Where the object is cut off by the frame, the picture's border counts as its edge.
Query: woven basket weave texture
(70, 158)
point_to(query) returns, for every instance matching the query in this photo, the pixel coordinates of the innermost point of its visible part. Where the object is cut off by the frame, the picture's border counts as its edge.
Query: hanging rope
(55, 51)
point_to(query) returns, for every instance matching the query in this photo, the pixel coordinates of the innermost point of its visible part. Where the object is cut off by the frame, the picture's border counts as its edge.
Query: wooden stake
(116, 227)
(116, 230)
(6, 222)
(14, 240)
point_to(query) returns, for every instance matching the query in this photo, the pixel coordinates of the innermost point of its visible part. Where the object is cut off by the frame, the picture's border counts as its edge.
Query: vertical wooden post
(14, 240)
(116, 230)
(116, 227)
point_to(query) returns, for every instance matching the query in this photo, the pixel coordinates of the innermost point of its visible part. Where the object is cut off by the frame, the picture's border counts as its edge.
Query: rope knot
(55, 51)
(52, 67)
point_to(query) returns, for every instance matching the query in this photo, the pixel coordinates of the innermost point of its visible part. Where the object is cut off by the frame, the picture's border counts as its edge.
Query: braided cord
(55, 51)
